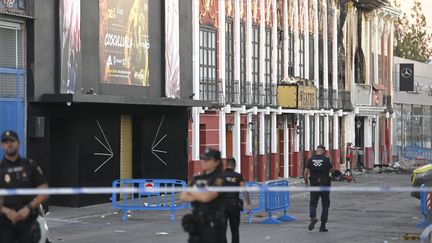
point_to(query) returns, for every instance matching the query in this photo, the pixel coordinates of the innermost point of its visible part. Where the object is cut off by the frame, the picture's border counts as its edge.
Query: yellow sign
(306, 97)
(287, 96)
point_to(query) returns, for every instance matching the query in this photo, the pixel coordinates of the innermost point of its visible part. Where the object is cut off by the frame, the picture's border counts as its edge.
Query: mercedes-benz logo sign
(406, 72)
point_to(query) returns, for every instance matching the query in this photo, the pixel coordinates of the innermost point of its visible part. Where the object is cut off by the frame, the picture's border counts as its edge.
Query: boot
(323, 228)
(312, 224)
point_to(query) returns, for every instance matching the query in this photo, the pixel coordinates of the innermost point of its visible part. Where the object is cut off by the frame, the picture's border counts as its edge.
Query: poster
(124, 42)
(172, 49)
(70, 38)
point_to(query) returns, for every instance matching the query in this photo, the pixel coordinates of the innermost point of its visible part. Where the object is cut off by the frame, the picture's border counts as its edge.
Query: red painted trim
(336, 159)
(368, 158)
(247, 168)
(274, 170)
(295, 169)
(262, 167)
(194, 168)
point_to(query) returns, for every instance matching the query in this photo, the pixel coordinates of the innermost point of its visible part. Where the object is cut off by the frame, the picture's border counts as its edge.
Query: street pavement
(354, 217)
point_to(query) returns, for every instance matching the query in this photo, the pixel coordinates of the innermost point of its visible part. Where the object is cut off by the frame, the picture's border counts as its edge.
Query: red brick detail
(262, 162)
(368, 158)
(224, 160)
(247, 168)
(307, 154)
(194, 168)
(274, 170)
(336, 159)
(296, 165)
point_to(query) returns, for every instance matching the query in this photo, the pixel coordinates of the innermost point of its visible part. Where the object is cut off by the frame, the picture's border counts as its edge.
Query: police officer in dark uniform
(319, 168)
(207, 222)
(17, 213)
(232, 201)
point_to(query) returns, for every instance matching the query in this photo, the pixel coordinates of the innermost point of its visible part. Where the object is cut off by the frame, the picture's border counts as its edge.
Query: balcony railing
(245, 93)
(270, 94)
(211, 90)
(323, 98)
(232, 92)
(256, 94)
(333, 99)
(344, 101)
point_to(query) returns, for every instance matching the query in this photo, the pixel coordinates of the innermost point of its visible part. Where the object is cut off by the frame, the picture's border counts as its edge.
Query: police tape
(263, 188)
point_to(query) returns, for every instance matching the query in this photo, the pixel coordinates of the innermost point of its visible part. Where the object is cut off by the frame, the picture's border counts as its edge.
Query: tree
(411, 39)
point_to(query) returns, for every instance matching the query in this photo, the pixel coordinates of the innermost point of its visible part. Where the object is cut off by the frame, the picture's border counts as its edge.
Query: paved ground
(354, 217)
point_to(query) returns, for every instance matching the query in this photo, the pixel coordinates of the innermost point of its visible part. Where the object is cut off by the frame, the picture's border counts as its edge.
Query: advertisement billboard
(70, 40)
(124, 42)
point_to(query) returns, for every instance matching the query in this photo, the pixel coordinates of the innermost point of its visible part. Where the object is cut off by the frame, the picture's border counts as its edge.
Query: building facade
(285, 76)
(412, 110)
(98, 90)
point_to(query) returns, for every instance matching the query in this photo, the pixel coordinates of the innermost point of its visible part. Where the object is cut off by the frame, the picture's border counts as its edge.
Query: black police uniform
(207, 222)
(319, 167)
(22, 173)
(232, 202)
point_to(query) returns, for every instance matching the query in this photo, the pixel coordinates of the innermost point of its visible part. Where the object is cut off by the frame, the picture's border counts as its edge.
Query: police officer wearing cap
(207, 222)
(319, 168)
(232, 201)
(18, 213)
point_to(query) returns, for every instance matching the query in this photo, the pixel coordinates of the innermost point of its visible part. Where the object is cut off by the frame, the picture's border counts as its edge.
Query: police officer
(319, 168)
(207, 222)
(17, 213)
(232, 201)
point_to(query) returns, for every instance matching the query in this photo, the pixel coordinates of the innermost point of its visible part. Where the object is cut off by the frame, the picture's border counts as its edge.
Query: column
(367, 48)
(262, 157)
(377, 140)
(368, 158)
(296, 40)
(195, 76)
(316, 68)
(306, 38)
(336, 149)
(236, 75)
(262, 49)
(296, 155)
(307, 152)
(222, 116)
(375, 48)
(248, 59)
(317, 130)
(274, 170)
(286, 148)
(286, 38)
(326, 133)
(237, 141)
(325, 47)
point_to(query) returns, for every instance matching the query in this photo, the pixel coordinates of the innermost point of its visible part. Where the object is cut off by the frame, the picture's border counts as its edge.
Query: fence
(424, 209)
(277, 201)
(148, 201)
(416, 153)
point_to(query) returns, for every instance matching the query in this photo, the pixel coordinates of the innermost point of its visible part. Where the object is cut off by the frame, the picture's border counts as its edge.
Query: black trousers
(232, 212)
(313, 204)
(207, 234)
(21, 232)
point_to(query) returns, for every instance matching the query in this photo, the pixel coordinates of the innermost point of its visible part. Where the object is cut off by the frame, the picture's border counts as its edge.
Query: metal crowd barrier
(426, 235)
(412, 153)
(277, 201)
(148, 201)
(260, 207)
(423, 209)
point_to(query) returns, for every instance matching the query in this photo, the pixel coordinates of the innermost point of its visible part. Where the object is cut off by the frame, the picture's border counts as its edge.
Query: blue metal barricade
(147, 201)
(424, 210)
(277, 201)
(260, 206)
(413, 153)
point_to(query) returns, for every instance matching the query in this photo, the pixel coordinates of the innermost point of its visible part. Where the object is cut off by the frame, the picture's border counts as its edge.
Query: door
(12, 81)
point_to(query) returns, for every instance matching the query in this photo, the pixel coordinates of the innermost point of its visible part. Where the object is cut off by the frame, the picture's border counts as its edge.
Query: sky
(406, 6)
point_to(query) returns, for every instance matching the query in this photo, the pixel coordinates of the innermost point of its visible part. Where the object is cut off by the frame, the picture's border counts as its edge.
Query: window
(12, 73)
(208, 64)
(311, 58)
(267, 62)
(242, 53)
(229, 60)
(291, 54)
(255, 63)
(229, 47)
(302, 56)
(280, 57)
